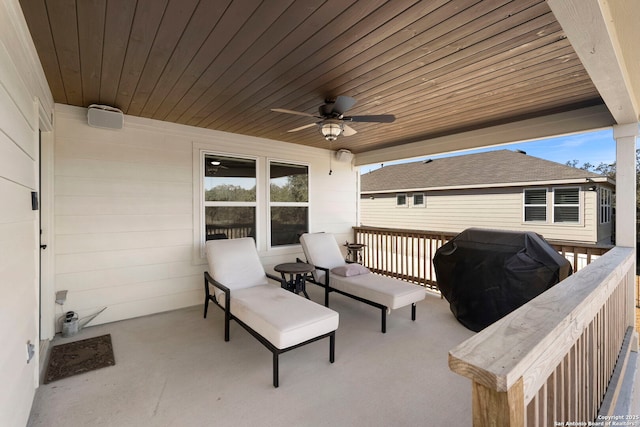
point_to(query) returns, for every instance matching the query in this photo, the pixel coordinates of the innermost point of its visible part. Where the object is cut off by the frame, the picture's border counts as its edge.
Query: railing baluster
(408, 254)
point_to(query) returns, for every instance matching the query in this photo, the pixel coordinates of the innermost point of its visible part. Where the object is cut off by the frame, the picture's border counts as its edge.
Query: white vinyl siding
(128, 223)
(455, 210)
(21, 82)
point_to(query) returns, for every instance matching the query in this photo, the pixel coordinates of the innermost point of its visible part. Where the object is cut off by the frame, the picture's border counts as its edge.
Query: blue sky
(592, 147)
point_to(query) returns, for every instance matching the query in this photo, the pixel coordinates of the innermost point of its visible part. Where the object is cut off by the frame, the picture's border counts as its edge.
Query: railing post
(492, 408)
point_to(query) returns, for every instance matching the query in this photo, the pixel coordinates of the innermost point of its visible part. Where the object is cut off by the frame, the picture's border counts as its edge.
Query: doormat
(79, 357)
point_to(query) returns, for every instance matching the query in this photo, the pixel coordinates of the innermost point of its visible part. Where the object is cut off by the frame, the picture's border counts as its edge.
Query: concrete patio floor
(174, 369)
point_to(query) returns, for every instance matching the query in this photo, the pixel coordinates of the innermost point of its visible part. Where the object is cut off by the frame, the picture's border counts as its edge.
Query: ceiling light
(215, 162)
(331, 130)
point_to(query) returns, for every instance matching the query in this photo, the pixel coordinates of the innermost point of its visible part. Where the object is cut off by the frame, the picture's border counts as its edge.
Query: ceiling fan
(332, 118)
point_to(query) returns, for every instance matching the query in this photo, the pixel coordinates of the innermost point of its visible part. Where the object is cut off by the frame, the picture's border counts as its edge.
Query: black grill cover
(486, 274)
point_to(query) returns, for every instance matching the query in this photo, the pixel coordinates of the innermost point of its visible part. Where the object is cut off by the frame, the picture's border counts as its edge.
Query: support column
(625, 136)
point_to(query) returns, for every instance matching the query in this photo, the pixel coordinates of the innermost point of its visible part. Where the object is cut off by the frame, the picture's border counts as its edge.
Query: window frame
(270, 204)
(200, 204)
(605, 210)
(578, 205)
(418, 205)
(525, 205)
(406, 201)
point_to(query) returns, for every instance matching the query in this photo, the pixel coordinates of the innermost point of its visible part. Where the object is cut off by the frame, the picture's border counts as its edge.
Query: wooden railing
(405, 254)
(408, 254)
(550, 362)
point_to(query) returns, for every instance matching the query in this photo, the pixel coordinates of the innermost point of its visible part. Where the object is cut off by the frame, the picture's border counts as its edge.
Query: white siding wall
(21, 81)
(126, 220)
(456, 210)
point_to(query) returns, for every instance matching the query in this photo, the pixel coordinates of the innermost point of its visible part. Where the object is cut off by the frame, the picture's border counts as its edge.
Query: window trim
(270, 204)
(406, 201)
(578, 205)
(525, 205)
(199, 218)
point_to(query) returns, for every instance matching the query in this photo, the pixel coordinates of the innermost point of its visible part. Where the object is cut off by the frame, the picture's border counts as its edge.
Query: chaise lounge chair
(277, 318)
(355, 281)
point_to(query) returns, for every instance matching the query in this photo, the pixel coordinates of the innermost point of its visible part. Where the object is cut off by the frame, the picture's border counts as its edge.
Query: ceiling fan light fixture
(331, 130)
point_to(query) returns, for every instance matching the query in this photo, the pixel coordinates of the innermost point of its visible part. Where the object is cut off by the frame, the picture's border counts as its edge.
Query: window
(605, 205)
(229, 197)
(535, 205)
(289, 202)
(418, 200)
(401, 200)
(566, 205)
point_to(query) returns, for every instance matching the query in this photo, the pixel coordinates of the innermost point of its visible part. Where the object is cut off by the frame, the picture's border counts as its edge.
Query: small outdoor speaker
(344, 155)
(105, 117)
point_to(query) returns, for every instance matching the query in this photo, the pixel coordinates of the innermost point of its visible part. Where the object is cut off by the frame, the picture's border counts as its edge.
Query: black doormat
(79, 357)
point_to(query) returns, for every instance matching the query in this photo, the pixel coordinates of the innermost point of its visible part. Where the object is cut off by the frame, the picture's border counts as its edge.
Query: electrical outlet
(31, 351)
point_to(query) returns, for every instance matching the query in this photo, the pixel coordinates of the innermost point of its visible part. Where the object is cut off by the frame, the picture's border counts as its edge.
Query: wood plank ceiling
(439, 66)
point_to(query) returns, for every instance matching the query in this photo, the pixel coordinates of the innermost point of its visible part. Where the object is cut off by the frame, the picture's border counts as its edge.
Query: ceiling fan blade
(299, 113)
(348, 130)
(342, 104)
(302, 127)
(383, 118)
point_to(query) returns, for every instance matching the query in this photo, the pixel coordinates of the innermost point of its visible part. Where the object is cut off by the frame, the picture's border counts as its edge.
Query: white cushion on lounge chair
(235, 272)
(321, 250)
(282, 317)
(387, 291)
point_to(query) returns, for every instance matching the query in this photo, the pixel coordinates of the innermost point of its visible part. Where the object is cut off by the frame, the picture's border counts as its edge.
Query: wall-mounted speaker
(344, 156)
(104, 117)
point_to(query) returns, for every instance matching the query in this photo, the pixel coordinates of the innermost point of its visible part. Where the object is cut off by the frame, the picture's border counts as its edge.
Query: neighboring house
(497, 189)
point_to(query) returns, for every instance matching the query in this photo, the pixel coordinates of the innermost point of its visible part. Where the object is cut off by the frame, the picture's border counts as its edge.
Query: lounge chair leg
(227, 319)
(384, 320)
(275, 369)
(413, 311)
(332, 347)
(206, 297)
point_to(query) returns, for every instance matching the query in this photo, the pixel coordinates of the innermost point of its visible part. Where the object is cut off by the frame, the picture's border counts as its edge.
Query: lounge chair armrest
(326, 274)
(277, 279)
(223, 288)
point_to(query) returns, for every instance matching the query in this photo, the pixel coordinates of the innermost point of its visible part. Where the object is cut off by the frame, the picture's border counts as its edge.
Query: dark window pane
(535, 213)
(401, 200)
(231, 222)
(566, 196)
(289, 183)
(566, 214)
(535, 197)
(418, 199)
(229, 180)
(287, 224)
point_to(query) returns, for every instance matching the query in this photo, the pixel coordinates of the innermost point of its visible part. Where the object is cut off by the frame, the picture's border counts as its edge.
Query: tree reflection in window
(289, 202)
(229, 197)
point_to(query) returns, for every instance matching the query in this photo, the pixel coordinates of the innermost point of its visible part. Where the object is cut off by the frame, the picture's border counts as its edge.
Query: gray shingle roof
(478, 170)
